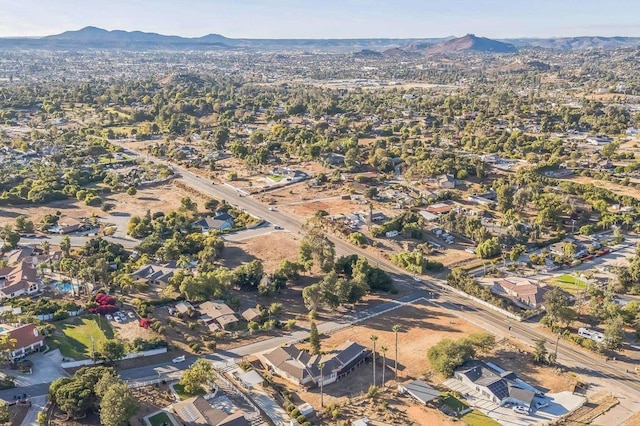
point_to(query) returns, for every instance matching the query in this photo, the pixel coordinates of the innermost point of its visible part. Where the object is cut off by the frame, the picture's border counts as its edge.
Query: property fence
(83, 362)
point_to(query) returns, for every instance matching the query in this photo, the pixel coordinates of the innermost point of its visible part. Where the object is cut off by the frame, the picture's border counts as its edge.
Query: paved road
(589, 365)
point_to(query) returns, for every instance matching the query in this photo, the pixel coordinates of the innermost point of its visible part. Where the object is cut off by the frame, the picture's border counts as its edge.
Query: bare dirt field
(158, 198)
(270, 248)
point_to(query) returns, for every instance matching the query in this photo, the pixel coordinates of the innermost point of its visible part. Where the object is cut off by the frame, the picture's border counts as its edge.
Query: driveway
(46, 368)
(37, 405)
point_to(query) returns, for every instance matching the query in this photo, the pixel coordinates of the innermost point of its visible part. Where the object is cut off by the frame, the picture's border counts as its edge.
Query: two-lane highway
(585, 363)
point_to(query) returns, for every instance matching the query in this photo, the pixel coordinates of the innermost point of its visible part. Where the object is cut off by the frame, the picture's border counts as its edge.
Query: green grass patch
(276, 178)
(568, 283)
(182, 394)
(477, 418)
(75, 337)
(454, 403)
(160, 419)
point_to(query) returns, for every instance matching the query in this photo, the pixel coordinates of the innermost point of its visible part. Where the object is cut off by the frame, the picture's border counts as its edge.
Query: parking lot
(559, 405)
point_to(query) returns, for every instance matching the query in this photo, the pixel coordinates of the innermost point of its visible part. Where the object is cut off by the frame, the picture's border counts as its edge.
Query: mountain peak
(471, 42)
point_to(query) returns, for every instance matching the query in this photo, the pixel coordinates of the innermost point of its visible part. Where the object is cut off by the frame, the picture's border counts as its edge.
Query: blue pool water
(64, 287)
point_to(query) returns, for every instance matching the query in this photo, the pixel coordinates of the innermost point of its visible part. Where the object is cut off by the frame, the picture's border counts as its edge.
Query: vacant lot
(78, 337)
(159, 198)
(270, 248)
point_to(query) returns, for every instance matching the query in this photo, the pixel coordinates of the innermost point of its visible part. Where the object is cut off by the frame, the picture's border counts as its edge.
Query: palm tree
(396, 328)
(384, 350)
(374, 339)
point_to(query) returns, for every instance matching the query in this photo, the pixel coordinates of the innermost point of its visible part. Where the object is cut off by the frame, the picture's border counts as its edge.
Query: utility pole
(321, 384)
(555, 355)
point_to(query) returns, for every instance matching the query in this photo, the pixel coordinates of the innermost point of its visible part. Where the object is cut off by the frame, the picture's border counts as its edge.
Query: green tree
(557, 307)
(316, 248)
(614, 333)
(4, 412)
(540, 354)
(198, 375)
(249, 275)
(517, 251)
(118, 405)
(65, 245)
(314, 339)
(447, 355)
(112, 349)
(488, 248)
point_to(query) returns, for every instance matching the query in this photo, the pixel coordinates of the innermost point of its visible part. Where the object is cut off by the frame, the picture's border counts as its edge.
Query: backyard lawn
(160, 419)
(182, 394)
(73, 336)
(454, 403)
(477, 418)
(568, 283)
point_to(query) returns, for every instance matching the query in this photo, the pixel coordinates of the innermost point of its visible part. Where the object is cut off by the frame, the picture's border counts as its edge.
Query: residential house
(18, 280)
(184, 308)
(558, 248)
(197, 411)
(252, 314)
(598, 140)
(220, 222)
(447, 181)
(302, 368)
(27, 340)
(500, 387)
(154, 274)
(525, 291)
(19, 254)
(440, 208)
(67, 225)
(217, 315)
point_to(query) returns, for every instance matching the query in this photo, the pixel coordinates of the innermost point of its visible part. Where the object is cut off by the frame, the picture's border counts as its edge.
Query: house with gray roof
(302, 368)
(219, 222)
(154, 274)
(500, 387)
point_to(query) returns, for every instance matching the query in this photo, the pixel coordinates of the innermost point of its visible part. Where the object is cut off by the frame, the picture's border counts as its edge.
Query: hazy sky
(326, 18)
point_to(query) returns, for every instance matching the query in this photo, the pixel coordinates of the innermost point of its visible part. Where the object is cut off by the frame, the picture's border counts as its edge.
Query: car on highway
(272, 208)
(178, 359)
(417, 278)
(278, 227)
(520, 409)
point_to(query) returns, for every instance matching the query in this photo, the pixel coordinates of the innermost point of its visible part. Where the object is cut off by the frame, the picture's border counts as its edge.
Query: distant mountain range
(97, 38)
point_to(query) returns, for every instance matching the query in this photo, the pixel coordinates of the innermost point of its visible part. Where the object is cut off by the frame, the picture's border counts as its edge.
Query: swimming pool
(65, 287)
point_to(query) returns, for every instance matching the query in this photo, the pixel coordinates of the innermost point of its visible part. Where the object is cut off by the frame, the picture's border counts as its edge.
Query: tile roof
(25, 336)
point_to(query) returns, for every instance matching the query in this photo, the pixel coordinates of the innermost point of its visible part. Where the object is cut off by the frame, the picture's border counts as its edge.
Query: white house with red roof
(27, 340)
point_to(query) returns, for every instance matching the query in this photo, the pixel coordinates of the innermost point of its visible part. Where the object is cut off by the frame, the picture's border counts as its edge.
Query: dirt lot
(270, 248)
(159, 198)
(151, 399)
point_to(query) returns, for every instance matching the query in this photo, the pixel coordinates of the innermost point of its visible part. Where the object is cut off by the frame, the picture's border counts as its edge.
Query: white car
(109, 317)
(520, 409)
(272, 208)
(417, 278)
(118, 319)
(178, 359)
(131, 315)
